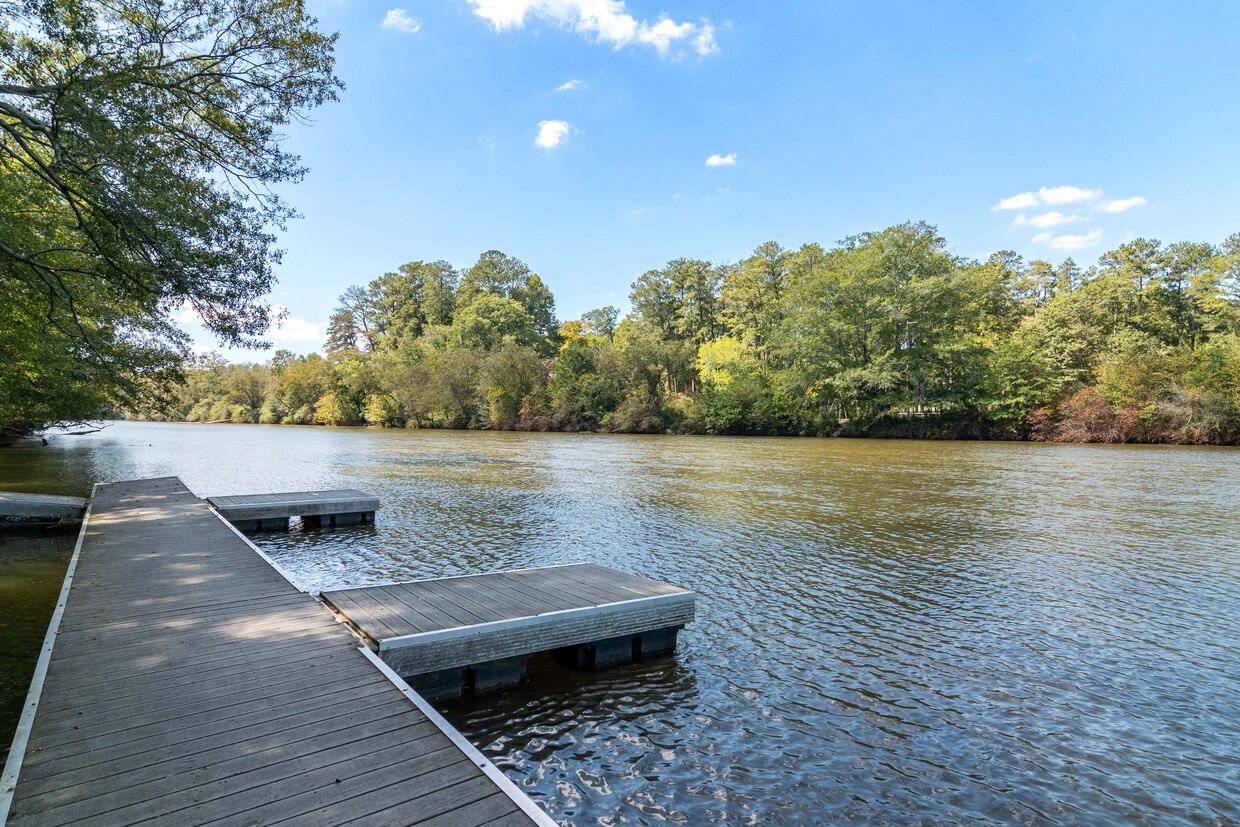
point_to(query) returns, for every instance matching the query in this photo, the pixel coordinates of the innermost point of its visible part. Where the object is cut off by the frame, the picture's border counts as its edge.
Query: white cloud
(606, 20)
(569, 86)
(399, 20)
(293, 329)
(1121, 204)
(1067, 195)
(187, 315)
(662, 34)
(1048, 219)
(551, 134)
(1069, 243)
(724, 189)
(1047, 196)
(704, 42)
(722, 160)
(1017, 202)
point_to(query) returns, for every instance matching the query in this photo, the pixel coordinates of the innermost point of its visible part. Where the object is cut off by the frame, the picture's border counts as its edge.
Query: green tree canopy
(139, 144)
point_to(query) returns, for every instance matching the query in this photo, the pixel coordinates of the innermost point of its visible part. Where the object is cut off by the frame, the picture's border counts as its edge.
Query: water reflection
(900, 632)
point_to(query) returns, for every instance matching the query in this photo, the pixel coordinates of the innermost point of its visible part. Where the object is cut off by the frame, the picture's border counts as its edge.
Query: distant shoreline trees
(885, 334)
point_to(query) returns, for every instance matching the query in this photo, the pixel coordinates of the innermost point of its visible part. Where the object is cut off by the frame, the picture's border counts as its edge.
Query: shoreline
(872, 435)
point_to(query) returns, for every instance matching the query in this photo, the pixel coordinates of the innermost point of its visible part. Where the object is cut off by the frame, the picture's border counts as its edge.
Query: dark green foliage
(887, 334)
(139, 144)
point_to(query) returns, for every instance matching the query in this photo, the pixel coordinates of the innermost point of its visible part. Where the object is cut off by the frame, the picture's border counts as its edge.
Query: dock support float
(617, 651)
(495, 676)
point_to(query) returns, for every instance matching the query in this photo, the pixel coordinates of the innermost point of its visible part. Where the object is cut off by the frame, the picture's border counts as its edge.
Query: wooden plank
(523, 602)
(310, 710)
(619, 588)
(490, 812)
(115, 728)
(435, 599)
(436, 618)
(261, 762)
(464, 597)
(358, 603)
(550, 588)
(419, 617)
(169, 679)
(183, 753)
(433, 793)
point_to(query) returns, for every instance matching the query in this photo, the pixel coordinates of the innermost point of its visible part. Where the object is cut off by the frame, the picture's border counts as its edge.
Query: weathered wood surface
(41, 506)
(440, 624)
(294, 504)
(190, 683)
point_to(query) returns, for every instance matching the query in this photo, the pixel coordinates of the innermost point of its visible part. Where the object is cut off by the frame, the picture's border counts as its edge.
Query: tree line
(886, 333)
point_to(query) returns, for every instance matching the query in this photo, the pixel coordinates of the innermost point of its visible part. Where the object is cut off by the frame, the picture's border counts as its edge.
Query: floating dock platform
(24, 509)
(271, 512)
(474, 633)
(184, 680)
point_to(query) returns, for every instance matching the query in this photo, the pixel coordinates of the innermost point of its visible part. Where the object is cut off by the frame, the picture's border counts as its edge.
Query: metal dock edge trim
(456, 632)
(454, 577)
(505, 784)
(280, 570)
(281, 503)
(21, 737)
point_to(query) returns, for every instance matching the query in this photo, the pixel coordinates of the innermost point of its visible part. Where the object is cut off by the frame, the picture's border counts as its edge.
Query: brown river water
(888, 632)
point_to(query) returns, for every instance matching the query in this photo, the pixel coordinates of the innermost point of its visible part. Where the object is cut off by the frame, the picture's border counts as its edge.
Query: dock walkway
(185, 681)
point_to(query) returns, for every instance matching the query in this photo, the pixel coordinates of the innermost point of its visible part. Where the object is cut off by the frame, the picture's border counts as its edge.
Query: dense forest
(886, 333)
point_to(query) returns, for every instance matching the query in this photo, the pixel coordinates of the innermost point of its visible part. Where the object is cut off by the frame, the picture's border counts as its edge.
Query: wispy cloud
(1052, 196)
(722, 160)
(607, 21)
(1017, 202)
(1048, 219)
(1069, 243)
(187, 315)
(1067, 195)
(1121, 204)
(399, 20)
(1067, 38)
(704, 41)
(296, 329)
(551, 134)
(569, 86)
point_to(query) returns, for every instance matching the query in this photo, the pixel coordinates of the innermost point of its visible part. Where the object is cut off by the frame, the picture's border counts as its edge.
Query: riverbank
(1087, 419)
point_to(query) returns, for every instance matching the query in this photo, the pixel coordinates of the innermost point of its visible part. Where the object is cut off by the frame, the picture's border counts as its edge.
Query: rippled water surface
(888, 632)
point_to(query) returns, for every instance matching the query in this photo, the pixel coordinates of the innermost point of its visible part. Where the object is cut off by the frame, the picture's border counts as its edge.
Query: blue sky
(597, 139)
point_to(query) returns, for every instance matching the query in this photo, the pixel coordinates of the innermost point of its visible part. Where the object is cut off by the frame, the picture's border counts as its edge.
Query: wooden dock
(27, 508)
(271, 512)
(184, 681)
(475, 632)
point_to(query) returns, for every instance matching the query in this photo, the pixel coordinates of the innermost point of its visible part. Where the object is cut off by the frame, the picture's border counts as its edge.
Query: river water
(888, 632)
